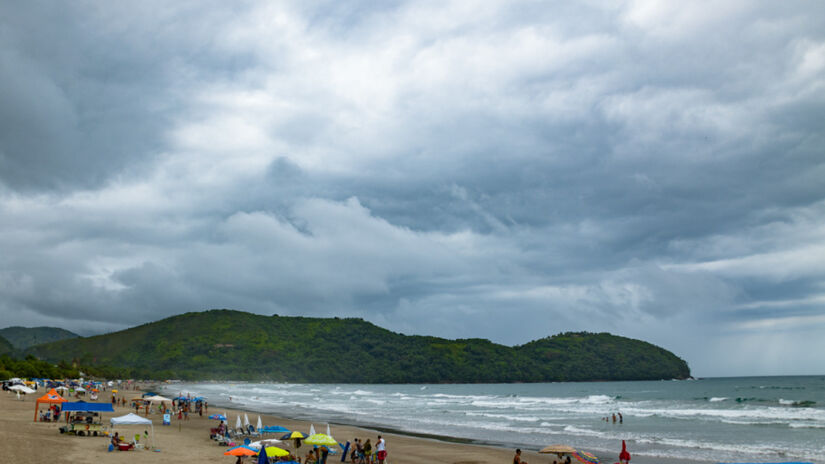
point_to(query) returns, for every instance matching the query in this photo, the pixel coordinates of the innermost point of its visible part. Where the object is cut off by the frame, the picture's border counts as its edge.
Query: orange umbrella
(240, 451)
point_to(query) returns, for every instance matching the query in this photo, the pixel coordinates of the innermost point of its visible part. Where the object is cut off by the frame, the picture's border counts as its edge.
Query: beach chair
(250, 430)
(222, 440)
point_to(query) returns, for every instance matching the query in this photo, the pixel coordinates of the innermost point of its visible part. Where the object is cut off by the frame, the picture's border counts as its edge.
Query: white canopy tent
(132, 419)
(157, 399)
(22, 389)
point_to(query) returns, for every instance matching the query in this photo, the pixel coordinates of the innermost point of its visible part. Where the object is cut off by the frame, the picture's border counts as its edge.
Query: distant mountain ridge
(24, 337)
(227, 344)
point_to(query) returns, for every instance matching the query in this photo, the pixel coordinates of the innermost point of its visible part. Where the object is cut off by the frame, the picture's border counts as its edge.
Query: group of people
(316, 457)
(362, 452)
(607, 418)
(517, 459)
(50, 415)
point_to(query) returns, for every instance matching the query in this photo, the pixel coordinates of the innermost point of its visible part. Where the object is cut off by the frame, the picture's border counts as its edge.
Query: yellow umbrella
(275, 451)
(558, 449)
(321, 439)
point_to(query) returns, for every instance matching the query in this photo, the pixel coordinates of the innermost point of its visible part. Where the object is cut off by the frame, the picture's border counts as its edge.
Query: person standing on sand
(381, 450)
(368, 452)
(517, 458)
(359, 448)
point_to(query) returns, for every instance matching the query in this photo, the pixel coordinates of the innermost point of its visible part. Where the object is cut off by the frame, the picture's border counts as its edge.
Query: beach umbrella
(238, 421)
(266, 442)
(259, 424)
(328, 432)
(275, 451)
(293, 436)
(311, 429)
(624, 455)
(558, 449)
(585, 458)
(321, 439)
(245, 420)
(242, 450)
(262, 457)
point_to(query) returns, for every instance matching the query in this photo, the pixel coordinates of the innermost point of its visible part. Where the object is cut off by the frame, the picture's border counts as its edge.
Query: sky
(496, 169)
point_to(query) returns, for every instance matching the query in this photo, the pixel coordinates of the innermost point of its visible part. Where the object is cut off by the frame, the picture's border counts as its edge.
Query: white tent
(132, 419)
(22, 389)
(157, 399)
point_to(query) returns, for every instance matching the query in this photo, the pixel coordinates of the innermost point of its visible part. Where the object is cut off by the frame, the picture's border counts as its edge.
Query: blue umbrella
(262, 457)
(273, 429)
(218, 417)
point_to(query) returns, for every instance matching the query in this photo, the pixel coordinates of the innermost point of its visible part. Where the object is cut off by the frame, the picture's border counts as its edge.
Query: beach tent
(132, 419)
(49, 398)
(82, 406)
(158, 399)
(22, 389)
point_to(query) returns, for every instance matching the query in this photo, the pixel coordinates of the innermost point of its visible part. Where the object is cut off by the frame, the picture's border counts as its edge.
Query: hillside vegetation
(24, 337)
(225, 344)
(5, 346)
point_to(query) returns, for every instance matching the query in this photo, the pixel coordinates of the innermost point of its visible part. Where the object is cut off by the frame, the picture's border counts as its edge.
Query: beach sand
(23, 441)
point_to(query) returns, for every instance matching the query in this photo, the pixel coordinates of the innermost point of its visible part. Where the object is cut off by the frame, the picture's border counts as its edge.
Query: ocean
(717, 419)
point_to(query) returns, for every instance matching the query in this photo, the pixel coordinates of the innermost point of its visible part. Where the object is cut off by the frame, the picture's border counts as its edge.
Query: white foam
(803, 425)
(716, 399)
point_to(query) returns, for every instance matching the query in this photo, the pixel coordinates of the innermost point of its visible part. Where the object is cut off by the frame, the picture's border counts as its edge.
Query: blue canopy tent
(82, 406)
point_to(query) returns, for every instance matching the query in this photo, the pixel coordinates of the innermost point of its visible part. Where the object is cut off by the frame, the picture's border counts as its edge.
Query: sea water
(717, 419)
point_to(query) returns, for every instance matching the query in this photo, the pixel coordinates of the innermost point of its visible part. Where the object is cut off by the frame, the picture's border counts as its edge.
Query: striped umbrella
(585, 458)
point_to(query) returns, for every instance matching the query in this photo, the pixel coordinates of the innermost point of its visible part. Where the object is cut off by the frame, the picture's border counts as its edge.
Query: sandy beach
(23, 441)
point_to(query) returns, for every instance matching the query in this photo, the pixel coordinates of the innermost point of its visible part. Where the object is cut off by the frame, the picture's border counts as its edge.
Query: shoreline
(529, 452)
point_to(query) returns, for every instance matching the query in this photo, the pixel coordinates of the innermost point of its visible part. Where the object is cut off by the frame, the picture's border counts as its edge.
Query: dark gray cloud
(502, 170)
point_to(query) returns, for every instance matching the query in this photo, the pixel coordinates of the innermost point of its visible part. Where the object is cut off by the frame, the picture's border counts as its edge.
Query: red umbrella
(624, 455)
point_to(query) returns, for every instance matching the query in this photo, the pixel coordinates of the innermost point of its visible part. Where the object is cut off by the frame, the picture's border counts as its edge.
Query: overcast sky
(497, 169)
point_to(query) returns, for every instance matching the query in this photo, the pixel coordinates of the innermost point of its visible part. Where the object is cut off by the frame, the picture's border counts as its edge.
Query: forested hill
(24, 337)
(5, 346)
(225, 344)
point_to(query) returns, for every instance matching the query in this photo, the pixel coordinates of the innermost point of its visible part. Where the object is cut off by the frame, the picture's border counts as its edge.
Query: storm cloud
(506, 170)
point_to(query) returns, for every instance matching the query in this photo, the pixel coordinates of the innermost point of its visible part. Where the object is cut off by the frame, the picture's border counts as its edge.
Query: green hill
(5, 346)
(225, 344)
(24, 337)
